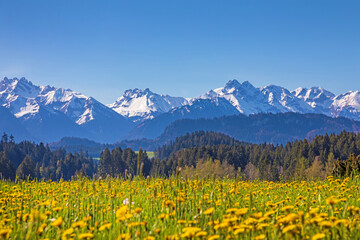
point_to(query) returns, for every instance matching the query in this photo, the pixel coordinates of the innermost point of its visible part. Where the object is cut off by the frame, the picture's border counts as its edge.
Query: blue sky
(182, 48)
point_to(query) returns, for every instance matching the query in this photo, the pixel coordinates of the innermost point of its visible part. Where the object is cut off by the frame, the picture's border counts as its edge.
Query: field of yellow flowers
(180, 209)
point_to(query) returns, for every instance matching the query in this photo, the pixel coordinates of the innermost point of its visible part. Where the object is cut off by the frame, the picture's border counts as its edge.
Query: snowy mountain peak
(312, 93)
(232, 84)
(136, 92)
(318, 98)
(235, 85)
(139, 105)
(20, 86)
(346, 105)
(274, 88)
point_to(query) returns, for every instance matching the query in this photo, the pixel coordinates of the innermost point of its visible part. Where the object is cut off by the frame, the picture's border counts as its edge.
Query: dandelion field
(180, 209)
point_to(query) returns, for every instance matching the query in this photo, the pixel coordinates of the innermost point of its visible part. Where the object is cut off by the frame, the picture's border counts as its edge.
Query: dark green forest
(200, 154)
(29, 160)
(309, 158)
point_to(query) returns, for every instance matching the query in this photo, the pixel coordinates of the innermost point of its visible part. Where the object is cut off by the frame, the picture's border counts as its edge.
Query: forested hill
(196, 139)
(299, 159)
(271, 128)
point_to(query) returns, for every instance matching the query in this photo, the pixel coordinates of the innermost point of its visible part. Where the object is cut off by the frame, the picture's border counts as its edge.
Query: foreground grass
(180, 209)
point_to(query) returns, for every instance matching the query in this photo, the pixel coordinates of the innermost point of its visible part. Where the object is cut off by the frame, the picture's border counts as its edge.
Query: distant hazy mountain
(139, 105)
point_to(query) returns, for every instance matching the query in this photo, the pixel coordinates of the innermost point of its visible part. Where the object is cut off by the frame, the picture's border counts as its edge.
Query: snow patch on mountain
(243, 96)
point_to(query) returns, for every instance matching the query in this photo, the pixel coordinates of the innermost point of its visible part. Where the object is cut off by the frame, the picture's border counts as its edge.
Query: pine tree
(330, 164)
(26, 169)
(105, 167)
(7, 169)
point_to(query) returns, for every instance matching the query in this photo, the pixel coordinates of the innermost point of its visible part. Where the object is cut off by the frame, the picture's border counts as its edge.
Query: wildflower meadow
(174, 208)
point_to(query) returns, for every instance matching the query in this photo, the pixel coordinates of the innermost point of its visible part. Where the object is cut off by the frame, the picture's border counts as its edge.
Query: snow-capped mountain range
(248, 99)
(49, 113)
(25, 99)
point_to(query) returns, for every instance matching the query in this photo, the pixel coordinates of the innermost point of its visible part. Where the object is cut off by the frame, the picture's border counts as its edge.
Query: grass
(180, 209)
(149, 154)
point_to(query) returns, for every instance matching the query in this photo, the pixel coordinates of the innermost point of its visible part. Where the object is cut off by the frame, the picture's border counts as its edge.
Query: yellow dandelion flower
(79, 224)
(332, 200)
(239, 230)
(231, 210)
(260, 237)
(66, 233)
(318, 236)
(326, 224)
(201, 234)
(163, 216)
(289, 228)
(149, 238)
(57, 209)
(41, 229)
(105, 226)
(213, 237)
(138, 210)
(57, 222)
(124, 236)
(241, 211)
(209, 211)
(86, 236)
(5, 233)
(287, 208)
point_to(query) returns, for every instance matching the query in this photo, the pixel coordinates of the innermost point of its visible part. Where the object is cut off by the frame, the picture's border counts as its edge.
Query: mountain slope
(12, 126)
(259, 128)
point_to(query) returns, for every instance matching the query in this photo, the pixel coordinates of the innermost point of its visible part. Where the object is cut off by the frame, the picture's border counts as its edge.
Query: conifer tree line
(27, 160)
(200, 154)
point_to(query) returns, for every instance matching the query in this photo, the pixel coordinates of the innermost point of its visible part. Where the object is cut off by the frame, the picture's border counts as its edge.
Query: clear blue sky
(182, 48)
